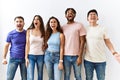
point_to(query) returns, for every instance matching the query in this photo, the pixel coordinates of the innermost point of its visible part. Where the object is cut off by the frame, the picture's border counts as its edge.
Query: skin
(53, 24)
(19, 23)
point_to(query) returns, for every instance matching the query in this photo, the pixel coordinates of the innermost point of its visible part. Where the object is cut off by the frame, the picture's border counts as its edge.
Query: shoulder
(64, 26)
(12, 32)
(79, 24)
(61, 35)
(28, 30)
(102, 27)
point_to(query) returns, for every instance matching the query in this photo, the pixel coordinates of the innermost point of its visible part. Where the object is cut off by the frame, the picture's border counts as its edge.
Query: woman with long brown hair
(55, 48)
(34, 52)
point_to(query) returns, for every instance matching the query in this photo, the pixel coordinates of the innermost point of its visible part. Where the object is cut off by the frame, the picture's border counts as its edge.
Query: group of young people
(59, 47)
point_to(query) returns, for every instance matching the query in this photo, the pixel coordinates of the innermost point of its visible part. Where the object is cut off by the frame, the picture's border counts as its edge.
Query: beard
(70, 19)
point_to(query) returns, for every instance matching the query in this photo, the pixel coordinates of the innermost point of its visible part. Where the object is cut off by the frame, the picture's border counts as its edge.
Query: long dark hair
(49, 30)
(42, 30)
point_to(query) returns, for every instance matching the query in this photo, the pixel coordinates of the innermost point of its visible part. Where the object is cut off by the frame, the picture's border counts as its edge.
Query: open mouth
(18, 25)
(53, 26)
(36, 23)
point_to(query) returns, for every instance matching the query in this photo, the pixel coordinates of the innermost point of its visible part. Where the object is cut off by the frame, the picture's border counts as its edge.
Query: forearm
(61, 54)
(109, 45)
(82, 43)
(5, 50)
(27, 51)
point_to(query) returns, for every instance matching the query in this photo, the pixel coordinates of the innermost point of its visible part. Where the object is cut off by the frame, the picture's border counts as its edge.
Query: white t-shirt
(95, 45)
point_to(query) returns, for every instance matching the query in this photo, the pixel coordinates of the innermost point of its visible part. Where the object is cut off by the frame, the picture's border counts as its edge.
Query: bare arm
(5, 51)
(82, 43)
(62, 42)
(27, 48)
(109, 45)
(111, 48)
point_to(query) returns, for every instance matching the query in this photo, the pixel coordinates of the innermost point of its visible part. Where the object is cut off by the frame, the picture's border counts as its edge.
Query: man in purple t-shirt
(17, 39)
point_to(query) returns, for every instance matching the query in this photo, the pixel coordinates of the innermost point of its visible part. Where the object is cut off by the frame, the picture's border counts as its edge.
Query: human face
(92, 17)
(19, 23)
(36, 21)
(70, 15)
(53, 24)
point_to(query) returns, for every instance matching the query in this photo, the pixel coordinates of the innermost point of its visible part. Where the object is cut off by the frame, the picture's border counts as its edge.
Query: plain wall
(109, 16)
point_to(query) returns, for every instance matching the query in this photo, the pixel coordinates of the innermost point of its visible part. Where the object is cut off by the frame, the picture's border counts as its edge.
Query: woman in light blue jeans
(54, 40)
(34, 48)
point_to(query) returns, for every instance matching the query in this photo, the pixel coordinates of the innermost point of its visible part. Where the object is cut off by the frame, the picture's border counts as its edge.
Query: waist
(52, 51)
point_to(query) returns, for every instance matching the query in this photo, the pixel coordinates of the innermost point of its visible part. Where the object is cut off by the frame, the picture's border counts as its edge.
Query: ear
(87, 19)
(97, 18)
(24, 23)
(65, 15)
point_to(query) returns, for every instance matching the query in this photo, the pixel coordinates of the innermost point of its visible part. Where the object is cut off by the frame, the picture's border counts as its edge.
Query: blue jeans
(99, 67)
(70, 61)
(39, 60)
(52, 61)
(12, 67)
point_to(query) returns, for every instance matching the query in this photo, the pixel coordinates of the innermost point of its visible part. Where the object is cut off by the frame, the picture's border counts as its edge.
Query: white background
(109, 16)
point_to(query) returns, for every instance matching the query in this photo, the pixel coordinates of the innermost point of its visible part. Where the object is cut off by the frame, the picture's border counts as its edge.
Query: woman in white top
(34, 44)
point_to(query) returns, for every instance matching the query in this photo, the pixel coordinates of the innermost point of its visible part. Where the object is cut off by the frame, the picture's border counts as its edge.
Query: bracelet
(60, 60)
(114, 53)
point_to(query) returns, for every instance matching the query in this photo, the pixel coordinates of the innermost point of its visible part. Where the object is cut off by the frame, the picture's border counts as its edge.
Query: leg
(11, 70)
(67, 67)
(30, 68)
(40, 63)
(57, 72)
(89, 70)
(77, 69)
(23, 70)
(49, 66)
(100, 70)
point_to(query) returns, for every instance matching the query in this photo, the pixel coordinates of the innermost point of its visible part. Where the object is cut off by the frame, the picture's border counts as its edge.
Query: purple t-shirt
(17, 41)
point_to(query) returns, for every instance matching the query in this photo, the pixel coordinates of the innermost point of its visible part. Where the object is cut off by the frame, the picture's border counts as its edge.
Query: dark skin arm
(82, 43)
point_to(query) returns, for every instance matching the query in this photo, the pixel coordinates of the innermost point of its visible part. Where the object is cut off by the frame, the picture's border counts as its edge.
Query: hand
(60, 66)
(26, 62)
(79, 60)
(117, 57)
(4, 61)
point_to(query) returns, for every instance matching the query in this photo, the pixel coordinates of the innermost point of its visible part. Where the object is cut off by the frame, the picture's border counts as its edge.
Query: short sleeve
(82, 30)
(9, 37)
(106, 36)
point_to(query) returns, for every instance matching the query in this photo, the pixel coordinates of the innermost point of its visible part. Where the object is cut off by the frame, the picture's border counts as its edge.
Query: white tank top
(36, 43)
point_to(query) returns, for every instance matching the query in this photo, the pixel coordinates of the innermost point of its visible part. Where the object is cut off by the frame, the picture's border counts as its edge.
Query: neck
(70, 22)
(19, 30)
(54, 31)
(93, 24)
(36, 28)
